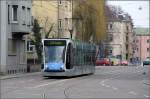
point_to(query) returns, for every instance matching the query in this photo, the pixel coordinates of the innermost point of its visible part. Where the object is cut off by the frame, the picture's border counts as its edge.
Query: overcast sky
(139, 10)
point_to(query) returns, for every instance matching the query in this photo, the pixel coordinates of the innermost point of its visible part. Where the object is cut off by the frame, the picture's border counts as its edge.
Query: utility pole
(58, 19)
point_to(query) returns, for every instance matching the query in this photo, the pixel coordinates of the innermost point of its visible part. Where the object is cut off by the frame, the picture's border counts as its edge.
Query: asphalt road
(107, 82)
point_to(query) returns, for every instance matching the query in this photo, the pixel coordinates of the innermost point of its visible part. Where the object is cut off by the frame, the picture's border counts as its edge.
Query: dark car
(103, 61)
(146, 61)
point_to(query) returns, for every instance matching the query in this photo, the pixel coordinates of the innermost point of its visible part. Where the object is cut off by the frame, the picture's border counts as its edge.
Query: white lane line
(30, 94)
(103, 84)
(146, 96)
(132, 92)
(107, 86)
(114, 88)
(51, 83)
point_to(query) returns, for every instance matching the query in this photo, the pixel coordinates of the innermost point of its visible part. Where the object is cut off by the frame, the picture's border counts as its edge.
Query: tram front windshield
(54, 53)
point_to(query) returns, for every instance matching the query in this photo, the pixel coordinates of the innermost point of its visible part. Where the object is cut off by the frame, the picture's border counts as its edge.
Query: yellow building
(46, 12)
(56, 13)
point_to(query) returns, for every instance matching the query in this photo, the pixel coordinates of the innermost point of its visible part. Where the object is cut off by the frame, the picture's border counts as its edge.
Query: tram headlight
(46, 66)
(62, 67)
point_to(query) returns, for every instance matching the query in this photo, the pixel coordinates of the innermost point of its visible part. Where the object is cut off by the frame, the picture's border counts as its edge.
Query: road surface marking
(114, 88)
(50, 83)
(107, 86)
(132, 92)
(103, 84)
(30, 94)
(146, 96)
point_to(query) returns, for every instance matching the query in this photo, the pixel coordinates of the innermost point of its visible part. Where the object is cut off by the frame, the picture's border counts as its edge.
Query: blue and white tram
(65, 57)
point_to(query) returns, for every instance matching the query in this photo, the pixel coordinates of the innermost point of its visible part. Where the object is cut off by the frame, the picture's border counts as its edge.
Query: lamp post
(71, 32)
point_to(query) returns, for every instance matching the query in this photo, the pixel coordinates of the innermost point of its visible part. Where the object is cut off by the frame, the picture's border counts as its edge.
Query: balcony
(18, 30)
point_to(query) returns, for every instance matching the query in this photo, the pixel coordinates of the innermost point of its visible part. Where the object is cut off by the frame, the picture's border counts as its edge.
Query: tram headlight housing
(62, 67)
(46, 66)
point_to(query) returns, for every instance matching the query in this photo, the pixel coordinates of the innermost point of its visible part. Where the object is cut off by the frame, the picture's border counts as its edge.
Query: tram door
(69, 58)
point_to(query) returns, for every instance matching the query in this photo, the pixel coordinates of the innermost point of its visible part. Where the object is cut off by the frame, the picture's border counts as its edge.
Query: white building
(15, 22)
(120, 36)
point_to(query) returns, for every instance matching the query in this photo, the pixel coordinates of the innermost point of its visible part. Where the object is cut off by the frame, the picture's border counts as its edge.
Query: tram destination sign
(54, 43)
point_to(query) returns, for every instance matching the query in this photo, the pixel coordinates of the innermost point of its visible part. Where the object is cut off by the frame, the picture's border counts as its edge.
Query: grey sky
(139, 10)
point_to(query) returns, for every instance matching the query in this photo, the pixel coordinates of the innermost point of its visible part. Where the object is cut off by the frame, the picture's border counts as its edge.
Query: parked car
(115, 61)
(124, 63)
(103, 61)
(146, 61)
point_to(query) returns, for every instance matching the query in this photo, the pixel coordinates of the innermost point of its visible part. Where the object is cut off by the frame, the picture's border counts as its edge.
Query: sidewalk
(2, 77)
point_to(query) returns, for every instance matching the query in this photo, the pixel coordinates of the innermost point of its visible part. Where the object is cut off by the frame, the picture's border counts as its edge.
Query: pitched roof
(142, 31)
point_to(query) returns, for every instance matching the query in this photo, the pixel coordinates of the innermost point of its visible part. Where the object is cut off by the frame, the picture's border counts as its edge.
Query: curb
(18, 75)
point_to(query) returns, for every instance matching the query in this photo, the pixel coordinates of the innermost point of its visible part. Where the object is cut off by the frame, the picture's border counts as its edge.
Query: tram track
(114, 76)
(82, 79)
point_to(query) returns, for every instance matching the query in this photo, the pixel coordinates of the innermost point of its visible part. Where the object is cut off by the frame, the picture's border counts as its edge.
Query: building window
(110, 52)
(12, 50)
(32, 20)
(28, 14)
(110, 26)
(127, 28)
(127, 47)
(148, 41)
(60, 2)
(148, 49)
(23, 7)
(66, 23)
(60, 23)
(110, 37)
(23, 15)
(15, 13)
(30, 46)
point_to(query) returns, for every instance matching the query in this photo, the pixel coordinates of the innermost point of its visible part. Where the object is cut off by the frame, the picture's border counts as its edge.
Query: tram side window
(69, 60)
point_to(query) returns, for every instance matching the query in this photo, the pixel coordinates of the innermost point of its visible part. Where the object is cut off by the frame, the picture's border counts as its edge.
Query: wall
(3, 33)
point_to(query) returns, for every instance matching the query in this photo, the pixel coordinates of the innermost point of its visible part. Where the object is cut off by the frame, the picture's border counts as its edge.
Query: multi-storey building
(142, 44)
(50, 12)
(15, 22)
(120, 35)
(56, 12)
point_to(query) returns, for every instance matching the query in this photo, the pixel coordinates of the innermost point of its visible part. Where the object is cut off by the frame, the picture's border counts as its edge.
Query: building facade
(120, 35)
(15, 23)
(142, 44)
(56, 13)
